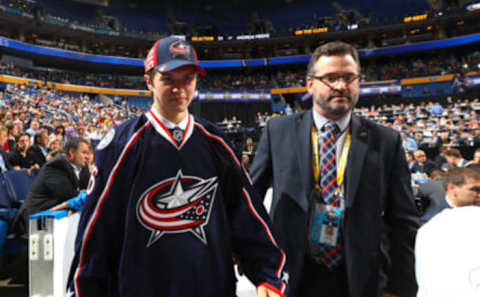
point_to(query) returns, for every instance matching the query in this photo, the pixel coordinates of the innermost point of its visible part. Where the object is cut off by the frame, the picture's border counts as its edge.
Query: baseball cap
(171, 53)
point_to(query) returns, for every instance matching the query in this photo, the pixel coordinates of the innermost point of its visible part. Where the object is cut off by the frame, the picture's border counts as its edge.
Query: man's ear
(146, 77)
(69, 154)
(451, 187)
(309, 84)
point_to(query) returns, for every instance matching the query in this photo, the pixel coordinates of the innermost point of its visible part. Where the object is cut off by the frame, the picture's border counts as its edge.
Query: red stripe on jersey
(225, 145)
(267, 230)
(222, 142)
(100, 202)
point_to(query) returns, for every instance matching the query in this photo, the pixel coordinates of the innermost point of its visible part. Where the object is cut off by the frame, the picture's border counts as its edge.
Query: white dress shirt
(447, 252)
(76, 170)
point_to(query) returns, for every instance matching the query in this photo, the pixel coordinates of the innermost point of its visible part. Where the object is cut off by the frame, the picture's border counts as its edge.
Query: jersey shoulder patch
(106, 140)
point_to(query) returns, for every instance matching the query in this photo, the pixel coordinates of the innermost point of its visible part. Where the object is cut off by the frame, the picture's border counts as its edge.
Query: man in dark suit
(422, 164)
(58, 180)
(39, 150)
(433, 195)
(370, 226)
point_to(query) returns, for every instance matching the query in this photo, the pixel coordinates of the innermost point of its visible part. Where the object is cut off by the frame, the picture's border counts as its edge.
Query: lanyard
(342, 163)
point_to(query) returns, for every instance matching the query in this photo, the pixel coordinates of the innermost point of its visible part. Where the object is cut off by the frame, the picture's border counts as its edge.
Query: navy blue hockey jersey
(162, 219)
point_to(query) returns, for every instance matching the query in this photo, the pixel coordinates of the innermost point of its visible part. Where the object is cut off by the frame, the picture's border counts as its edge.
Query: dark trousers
(318, 281)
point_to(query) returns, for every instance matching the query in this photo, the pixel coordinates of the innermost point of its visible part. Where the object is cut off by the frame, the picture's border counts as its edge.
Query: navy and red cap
(171, 53)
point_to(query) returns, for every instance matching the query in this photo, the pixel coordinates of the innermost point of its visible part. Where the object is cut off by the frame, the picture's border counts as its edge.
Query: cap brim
(174, 64)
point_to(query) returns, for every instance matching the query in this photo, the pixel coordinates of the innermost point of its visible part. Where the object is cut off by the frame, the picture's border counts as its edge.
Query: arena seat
(7, 213)
(18, 184)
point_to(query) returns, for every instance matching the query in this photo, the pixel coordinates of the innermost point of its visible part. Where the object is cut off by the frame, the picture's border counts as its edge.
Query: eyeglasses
(331, 79)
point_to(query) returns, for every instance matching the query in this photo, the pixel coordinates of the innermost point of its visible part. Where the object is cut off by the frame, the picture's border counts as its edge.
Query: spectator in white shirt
(447, 247)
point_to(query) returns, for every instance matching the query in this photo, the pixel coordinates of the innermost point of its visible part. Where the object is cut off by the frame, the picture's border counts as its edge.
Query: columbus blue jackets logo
(175, 205)
(180, 50)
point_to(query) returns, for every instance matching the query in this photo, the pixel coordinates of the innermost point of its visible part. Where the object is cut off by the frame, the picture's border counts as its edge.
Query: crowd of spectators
(431, 125)
(418, 67)
(39, 117)
(408, 67)
(75, 77)
(437, 129)
(263, 78)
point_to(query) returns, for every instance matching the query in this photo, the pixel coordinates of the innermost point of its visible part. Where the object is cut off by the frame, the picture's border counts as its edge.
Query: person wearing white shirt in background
(447, 248)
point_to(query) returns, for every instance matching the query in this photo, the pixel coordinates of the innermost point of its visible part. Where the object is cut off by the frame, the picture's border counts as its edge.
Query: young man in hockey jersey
(169, 202)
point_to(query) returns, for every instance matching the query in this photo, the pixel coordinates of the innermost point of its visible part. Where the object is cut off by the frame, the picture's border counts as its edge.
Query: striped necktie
(329, 256)
(328, 162)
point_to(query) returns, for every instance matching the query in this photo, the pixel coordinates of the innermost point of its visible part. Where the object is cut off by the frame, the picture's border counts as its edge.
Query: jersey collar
(162, 126)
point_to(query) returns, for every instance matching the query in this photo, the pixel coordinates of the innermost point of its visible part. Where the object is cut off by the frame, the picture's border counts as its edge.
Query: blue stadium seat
(4, 198)
(3, 233)
(14, 186)
(18, 184)
(7, 213)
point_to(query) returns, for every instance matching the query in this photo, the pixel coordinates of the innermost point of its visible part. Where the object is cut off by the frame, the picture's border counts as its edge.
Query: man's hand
(63, 205)
(263, 291)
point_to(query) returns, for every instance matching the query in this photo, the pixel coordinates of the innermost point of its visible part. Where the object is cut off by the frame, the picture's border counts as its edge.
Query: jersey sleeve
(254, 241)
(253, 238)
(100, 232)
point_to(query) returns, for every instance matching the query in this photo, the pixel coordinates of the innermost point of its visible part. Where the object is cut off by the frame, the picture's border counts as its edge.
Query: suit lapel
(356, 159)
(304, 148)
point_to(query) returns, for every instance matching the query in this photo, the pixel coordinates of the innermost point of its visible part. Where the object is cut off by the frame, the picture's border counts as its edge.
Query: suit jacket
(426, 168)
(56, 182)
(433, 192)
(380, 221)
(37, 155)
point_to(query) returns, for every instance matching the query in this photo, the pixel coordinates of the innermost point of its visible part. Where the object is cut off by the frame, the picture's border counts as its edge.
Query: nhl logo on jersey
(178, 204)
(177, 134)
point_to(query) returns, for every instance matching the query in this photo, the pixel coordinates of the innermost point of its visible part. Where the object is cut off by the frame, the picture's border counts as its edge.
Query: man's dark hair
(37, 137)
(60, 127)
(335, 48)
(20, 135)
(453, 153)
(473, 166)
(73, 143)
(436, 173)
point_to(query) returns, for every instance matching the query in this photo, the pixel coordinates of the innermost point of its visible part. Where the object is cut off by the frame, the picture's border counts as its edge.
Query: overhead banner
(472, 81)
(378, 89)
(233, 96)
(367, 89)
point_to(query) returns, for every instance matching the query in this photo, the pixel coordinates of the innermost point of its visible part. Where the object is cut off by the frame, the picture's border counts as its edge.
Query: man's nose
(178, 84)
(340, 84)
